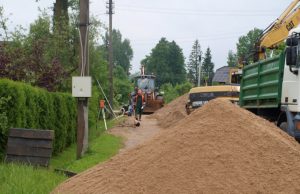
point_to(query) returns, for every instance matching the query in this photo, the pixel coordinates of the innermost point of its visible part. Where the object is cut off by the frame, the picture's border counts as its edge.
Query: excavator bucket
(152, 106)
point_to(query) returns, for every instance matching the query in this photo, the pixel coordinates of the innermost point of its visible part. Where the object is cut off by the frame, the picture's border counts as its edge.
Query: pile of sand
(219, 148)
(172, 112)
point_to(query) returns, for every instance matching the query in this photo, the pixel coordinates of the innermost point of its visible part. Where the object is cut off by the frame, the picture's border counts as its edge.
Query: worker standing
(132, 97)
(139, 103)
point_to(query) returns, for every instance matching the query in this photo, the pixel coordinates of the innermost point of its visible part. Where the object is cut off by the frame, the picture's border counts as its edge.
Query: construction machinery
(153, 98)
(271, 87)
(227, 87)
(278, 31)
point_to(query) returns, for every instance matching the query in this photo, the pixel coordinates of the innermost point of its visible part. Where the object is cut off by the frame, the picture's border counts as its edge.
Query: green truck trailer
(271, 88)
(262, 84)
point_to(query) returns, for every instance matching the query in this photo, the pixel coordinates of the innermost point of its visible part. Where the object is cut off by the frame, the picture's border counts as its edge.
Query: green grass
(17, 178)
(26, 179)
(101, 149)
(102, 146)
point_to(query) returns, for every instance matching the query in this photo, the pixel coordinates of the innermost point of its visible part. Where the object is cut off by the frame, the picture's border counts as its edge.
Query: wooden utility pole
(199, 71)
(82, 104)
(110, 55)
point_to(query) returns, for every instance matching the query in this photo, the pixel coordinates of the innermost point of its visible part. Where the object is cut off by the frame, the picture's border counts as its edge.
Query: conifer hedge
(24, 106)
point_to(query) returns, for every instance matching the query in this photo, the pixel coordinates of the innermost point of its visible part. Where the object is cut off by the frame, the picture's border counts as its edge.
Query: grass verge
(100, 149)
(17, 178)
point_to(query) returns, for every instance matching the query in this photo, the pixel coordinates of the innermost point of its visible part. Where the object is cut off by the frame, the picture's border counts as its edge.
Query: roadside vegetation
(18, 178)
(15, 178)
(102, 146)
(36, 66)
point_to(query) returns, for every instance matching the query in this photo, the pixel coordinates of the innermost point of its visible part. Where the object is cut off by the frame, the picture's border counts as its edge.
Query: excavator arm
(278, 31)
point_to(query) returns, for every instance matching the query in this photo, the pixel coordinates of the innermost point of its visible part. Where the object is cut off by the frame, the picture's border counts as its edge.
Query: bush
(171, 92)
(24, 106)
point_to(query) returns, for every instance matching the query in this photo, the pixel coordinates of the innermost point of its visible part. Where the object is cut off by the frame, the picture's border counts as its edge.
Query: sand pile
(219, 148)
(172, 112)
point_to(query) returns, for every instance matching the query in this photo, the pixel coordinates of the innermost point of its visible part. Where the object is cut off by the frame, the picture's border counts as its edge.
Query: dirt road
(136, 135)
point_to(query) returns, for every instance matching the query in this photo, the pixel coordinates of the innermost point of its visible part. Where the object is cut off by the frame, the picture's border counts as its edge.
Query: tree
(166, 61)
(122, 50)
(232, 60)
(207, 68)
(60, 11)
(246, 45)
(194, 63)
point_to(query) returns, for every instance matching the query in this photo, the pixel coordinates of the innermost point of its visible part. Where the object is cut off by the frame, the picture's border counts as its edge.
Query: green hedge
(24, 106)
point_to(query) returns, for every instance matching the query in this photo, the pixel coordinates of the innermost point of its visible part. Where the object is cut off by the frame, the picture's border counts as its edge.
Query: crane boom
(279, 30)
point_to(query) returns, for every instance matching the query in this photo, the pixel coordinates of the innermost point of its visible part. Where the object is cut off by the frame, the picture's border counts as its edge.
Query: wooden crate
(29, 146)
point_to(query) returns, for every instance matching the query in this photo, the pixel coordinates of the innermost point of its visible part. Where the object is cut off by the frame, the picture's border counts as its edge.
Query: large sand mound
(172, 112)
(219, 148)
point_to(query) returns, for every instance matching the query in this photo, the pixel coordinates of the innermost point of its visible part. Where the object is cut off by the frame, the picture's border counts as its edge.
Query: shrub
(171, 92)
(24, 106)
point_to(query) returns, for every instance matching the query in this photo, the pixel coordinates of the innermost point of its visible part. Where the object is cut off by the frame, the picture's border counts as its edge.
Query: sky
(216, 24)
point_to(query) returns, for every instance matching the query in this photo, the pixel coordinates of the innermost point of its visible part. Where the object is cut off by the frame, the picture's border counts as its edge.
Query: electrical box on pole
(82, 87)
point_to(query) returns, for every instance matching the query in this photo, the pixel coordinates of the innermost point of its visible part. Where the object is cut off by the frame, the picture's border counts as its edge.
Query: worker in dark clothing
(139, 103)
(132, 97)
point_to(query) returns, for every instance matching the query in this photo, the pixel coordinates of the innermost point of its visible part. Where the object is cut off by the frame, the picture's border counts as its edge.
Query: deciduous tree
(232, 60)
(246, 45)
(166, 61)
(122, 51)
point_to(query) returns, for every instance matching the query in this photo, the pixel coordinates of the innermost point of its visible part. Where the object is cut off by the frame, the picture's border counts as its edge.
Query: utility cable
(83, 50)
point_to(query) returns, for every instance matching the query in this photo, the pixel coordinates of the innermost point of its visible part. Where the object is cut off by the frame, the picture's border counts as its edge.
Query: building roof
(222, 75)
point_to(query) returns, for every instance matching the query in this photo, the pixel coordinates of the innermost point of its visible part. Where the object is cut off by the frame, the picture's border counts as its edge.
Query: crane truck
(270, 87)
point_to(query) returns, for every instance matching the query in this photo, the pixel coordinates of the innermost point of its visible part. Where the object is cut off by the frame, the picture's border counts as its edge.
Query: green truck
(271, 88)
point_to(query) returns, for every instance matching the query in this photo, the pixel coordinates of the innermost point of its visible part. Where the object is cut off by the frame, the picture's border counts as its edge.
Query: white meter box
(82, 87)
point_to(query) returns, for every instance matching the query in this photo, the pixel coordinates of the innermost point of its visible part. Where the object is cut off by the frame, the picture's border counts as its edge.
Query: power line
(194, 12)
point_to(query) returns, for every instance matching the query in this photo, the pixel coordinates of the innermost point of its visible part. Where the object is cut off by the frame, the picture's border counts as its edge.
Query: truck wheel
(284, 126)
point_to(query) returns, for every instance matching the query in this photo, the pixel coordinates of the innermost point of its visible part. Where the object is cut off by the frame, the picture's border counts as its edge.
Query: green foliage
(24, 106)
(122, 85)
(94, 107)
(194, 63)
(48, 55)
(166, 61)
(122, 51)
(275, 52)
(207, 69)
(16, 178)
(3, 123)
(171, 92)
(232, 60)
(246, 45)
(44, 57)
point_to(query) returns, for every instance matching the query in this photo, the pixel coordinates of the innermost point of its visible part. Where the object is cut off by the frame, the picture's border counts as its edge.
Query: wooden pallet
(29, 146)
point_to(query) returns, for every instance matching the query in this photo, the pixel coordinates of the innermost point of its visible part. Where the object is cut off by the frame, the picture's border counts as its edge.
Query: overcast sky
(217, 24)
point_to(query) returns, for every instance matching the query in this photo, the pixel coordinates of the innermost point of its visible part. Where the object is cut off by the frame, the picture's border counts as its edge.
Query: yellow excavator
(271, 37)
(270, 86)
(278, 31)
(226, 86)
